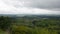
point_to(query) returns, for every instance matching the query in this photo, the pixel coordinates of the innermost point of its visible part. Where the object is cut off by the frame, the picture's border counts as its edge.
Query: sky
(30, 7)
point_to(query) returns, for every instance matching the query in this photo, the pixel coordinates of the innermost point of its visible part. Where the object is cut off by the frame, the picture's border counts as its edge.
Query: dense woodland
(29, 25)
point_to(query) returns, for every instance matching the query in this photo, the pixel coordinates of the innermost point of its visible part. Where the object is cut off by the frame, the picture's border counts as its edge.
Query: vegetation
(29, 25)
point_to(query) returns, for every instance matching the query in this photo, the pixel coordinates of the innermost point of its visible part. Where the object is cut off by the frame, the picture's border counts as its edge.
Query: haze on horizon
(30, 7)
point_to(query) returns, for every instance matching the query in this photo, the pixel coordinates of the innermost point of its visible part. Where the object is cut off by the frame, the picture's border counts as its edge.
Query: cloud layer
(49, 4)
(29, 7)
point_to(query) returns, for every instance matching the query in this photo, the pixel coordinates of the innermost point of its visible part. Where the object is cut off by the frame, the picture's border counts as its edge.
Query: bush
(21, 30)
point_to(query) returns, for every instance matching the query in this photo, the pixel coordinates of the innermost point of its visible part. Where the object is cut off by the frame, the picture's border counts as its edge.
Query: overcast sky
(30, 7)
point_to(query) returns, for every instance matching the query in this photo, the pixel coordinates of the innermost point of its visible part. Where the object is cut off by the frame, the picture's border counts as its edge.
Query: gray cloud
(45, 4)
(42, 3)
(30, 6)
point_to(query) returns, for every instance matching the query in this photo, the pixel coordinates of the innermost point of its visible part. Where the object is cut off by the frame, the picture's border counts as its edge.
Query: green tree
(5, 22)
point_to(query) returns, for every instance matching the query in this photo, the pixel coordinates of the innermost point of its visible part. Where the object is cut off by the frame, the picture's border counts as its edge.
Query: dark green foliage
(43, 26)
(25, 25)
(5, 22)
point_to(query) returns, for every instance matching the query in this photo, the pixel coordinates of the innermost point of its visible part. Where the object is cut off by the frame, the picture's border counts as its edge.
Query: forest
(30, 25)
